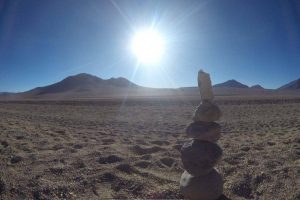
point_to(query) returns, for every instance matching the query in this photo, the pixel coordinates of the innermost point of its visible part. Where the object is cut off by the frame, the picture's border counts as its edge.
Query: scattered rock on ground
(16, 159)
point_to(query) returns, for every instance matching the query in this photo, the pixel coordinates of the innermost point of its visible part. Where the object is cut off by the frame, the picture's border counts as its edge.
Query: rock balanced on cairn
(200, 180)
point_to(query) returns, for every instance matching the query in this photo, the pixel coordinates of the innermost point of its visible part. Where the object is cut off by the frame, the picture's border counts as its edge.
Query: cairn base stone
(207, 112)
(206, 187)
(199, 157)
(208, 131)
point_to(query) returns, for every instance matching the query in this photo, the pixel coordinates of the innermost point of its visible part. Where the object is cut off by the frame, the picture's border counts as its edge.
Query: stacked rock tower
(200, 180)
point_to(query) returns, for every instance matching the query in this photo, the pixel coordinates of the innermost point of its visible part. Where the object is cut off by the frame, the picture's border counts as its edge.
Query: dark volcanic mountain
(80, 86)
(231, 84)
(82, 83)
(86, 86)
(294, 85)
(257, 87)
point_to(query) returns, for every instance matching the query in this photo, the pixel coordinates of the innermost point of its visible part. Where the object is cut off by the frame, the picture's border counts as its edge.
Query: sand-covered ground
(130, 149)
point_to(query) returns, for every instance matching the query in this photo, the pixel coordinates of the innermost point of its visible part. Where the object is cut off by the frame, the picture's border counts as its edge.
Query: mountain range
(89, 86)
(294, 85)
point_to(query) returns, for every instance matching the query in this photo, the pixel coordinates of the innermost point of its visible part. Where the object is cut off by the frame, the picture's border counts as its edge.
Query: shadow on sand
(223, 197)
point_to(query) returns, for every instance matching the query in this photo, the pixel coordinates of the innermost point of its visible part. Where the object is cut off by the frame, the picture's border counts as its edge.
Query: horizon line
(141, 85)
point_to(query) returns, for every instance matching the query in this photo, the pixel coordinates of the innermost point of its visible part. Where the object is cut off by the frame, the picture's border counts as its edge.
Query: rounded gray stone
(207, 112)
(207, 187)
(209, 131)
(199, 157)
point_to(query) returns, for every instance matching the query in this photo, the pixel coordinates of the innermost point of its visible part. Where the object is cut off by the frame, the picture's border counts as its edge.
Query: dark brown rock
(207, 112)
(16, 159)
(207, 187)
(2, 187)
(110, 159)
(209, 131)
(199, 157)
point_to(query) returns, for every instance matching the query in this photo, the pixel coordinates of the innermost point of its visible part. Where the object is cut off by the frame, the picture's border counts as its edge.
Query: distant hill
(294, 85)
(231, 84)
(86, 86)
(78, 86)
(257, 87)
(82, 83)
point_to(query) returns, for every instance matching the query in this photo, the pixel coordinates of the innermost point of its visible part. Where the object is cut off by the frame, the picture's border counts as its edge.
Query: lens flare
(148, 46)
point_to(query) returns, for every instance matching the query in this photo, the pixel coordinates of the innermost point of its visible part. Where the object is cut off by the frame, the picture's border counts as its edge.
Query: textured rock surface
(199, 157)
(209, 131)
(207, 112)
(205, 87)
(207, 187)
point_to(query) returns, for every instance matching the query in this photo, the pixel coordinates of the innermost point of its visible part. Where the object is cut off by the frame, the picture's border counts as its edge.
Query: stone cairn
(200, 180)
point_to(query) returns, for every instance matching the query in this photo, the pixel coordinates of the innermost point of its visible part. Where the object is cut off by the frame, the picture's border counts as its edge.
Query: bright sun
(148, 46)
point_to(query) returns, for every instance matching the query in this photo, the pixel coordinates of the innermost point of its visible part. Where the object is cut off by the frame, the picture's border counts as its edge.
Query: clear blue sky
(254, 42)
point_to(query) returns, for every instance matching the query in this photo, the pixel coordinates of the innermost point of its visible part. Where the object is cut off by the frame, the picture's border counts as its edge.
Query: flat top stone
(208, 131)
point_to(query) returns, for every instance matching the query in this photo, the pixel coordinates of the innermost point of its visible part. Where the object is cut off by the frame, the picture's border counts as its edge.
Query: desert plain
(130, 148)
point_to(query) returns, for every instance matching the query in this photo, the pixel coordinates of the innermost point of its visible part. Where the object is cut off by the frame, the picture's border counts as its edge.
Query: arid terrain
(130, 148)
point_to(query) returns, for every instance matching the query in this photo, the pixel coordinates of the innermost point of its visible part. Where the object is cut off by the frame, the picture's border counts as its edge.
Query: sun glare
(148, 46)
